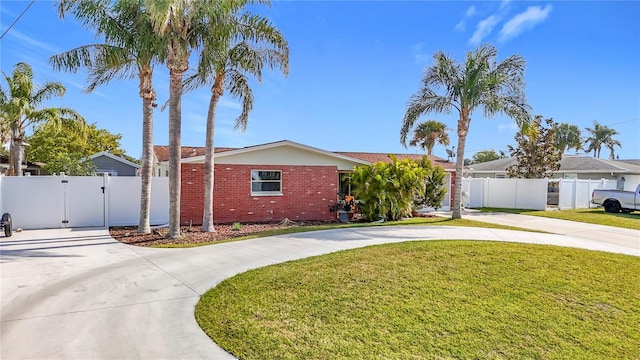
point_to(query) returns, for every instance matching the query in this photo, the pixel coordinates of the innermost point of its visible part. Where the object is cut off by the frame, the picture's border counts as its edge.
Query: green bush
(435, 189)
(389, 190)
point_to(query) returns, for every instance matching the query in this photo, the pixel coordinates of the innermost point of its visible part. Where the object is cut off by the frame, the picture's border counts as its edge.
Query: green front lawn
(432, 299)
(592, 216)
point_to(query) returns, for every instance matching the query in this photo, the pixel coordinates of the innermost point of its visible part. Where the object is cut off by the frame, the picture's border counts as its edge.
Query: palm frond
(238, 86)
(423, 102)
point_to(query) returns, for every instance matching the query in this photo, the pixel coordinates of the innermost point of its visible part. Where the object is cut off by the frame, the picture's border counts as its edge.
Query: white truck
(615, 201)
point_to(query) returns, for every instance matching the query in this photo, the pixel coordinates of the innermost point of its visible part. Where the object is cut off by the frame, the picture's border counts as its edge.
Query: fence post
(106, 193)
(575, 193)
(485, 191)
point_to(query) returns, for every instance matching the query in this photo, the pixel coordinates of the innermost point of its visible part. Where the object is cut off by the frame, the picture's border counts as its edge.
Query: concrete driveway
(79, 294)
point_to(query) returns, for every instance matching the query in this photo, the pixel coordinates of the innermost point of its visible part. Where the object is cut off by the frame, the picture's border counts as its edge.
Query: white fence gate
(54, 201)
(84, 201)
(41, 202)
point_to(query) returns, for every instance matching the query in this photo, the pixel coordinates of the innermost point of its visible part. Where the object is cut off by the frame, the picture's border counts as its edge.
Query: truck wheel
(612, 207)
(6, 223)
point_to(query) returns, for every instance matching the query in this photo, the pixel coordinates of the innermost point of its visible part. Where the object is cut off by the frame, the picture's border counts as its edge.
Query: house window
(345, 184)
(265, 182)
(501, 176)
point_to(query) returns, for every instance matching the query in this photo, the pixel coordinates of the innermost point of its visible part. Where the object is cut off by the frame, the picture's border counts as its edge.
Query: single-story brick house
(272, 181)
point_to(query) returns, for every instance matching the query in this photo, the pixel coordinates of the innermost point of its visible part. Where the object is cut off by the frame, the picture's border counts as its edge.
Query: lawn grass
(432, 299)
(440, 221)
(592, 216)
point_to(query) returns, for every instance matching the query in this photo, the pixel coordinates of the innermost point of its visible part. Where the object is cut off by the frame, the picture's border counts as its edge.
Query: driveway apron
(80, 294)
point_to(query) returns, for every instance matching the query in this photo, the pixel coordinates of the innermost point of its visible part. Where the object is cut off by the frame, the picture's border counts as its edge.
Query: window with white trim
(266, 182)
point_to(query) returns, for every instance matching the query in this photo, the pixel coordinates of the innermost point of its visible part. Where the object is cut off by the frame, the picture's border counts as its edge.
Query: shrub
(435, 189)
(388, 190)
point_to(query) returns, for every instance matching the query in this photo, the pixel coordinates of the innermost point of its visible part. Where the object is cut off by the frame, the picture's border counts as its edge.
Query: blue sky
(354, 65)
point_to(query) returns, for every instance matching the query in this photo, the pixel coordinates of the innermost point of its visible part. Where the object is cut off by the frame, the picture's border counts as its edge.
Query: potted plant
(342, 208)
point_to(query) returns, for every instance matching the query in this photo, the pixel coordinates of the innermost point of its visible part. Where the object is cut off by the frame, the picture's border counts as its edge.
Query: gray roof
(568, 164)
(631, 161)
(114, 157)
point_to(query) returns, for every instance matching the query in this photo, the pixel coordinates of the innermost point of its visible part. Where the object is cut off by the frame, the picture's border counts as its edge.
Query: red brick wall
(307, 193)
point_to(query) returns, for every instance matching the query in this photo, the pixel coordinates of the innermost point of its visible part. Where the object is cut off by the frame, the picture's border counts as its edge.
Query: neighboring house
(28, 168)
(108, 163)
(272, 181)
(626, 172)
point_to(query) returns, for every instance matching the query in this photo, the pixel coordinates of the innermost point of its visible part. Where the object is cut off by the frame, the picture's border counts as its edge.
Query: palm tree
(479, 82)
(601, 135)
(428, 133)
(226, 67)
(131, 49)
(20, 107)
(184, 26)
(568, 137)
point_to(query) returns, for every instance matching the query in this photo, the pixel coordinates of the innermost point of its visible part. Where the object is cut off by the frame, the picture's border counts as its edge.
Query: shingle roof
(384, 157)
(494, 165)
(569, 163)
(631, 161)
(162, 152)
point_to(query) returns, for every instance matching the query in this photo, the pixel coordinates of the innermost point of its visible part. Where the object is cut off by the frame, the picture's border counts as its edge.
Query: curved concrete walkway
(79, 294)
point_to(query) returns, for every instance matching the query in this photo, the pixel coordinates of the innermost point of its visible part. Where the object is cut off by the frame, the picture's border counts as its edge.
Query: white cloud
(511, 128)
(462, 26)
(471, 11)
(504, 3)
(419, 54)
(33, 42)
(524, 21)
(484, 28)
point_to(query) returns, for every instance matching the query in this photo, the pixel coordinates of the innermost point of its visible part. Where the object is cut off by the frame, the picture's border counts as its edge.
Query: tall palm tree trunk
(12, 160)
(216, 93)
(17, 141)
(148, 103)
(175, 120)
(463, 130)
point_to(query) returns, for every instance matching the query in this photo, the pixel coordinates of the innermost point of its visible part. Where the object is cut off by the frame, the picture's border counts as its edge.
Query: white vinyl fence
(40, 202)
(576, 193)
(505, 193)
(529, 193)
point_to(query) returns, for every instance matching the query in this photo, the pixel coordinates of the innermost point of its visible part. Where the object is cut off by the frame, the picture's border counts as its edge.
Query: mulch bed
(193, 235)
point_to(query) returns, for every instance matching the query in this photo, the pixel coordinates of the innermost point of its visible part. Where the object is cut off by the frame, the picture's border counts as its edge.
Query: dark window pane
(269, 186)
(265, 186)
(268, 175)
